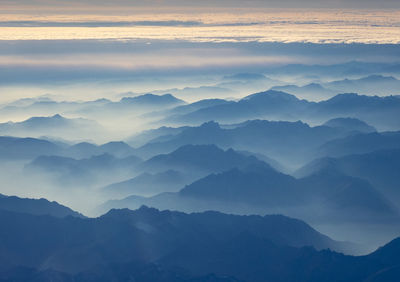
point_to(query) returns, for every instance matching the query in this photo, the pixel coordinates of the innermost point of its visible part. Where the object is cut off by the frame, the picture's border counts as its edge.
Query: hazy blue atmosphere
(212, 141)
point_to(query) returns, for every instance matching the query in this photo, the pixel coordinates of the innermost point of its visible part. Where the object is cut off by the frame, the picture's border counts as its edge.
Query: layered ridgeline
(381, 112)
(291, 143)
(150, 109)
(152, 245)
(327, 195)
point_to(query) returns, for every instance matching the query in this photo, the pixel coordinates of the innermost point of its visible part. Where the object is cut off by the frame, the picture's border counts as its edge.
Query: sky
(48, 42)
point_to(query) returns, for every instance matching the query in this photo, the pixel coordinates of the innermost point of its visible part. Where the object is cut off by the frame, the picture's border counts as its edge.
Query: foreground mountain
(35, 207)
(150, 245)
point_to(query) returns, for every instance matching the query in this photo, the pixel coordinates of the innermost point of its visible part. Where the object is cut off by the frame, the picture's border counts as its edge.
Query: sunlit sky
(270, 25)
(46, 42)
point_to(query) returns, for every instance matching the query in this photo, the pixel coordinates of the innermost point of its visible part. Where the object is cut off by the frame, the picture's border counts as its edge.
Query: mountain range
(148, 244)
(381, 112)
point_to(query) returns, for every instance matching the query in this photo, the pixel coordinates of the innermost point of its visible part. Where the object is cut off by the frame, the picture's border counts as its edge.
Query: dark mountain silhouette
(146, 235)
(351, 124)
(152, 245)
(35, 207)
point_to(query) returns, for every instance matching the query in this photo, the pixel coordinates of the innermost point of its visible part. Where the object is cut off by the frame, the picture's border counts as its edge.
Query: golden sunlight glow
(333, 26)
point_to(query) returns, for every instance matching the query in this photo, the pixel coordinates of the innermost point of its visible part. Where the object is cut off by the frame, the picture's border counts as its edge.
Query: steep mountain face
(147, 184)
(160, 246)
(35, 207)
(198, 158)
(380, 168)
(327, 195)
(254, 185)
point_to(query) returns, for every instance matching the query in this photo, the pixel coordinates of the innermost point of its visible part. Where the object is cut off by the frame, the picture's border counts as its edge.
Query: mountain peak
(271, 94)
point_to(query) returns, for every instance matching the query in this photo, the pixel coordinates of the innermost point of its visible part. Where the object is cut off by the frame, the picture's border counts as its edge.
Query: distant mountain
(351, 124)
(152, 245)
(195, 93)
(26, 148)
(245, 76)
(152, 135)
(312, 91)
(152, 100)
(35, 207)
(198, 159)
(186, 109)
(278, 140)
(69, 171)
(269, 104)
(43, 107)
(51, 126)
(147, 184)
(327, 196)
(87, 150)
(381, 112)
(372, 85)
(360, 144)
(380, 168)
